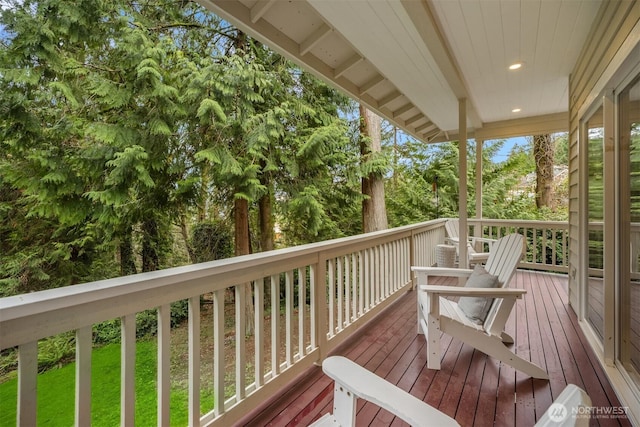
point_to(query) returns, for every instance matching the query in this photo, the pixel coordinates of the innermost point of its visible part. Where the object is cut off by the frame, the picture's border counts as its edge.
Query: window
(629, 234)
(595, 221)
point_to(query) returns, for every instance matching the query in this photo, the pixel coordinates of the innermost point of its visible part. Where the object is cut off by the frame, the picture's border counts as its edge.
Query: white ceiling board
(487, 36)
(431, 52)
(392, 44)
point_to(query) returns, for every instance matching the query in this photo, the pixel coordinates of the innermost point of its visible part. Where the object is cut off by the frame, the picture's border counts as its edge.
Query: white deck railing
(328, 290)
(547, 242)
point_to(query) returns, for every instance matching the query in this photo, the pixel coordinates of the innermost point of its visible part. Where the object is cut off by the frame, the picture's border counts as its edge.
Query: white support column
(462, 197)
(479, 166)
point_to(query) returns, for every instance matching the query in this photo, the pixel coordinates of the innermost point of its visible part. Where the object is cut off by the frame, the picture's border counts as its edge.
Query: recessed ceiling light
(516, 110)
(515, 66)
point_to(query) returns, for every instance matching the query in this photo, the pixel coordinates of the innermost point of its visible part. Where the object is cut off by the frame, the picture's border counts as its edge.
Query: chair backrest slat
(504, 256)
(453, 228)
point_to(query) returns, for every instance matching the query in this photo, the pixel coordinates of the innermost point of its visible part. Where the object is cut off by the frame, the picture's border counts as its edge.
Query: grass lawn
(56, 390)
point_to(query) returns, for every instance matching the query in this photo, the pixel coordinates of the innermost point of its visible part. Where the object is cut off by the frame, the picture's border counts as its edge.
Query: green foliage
(56, 391)
(411, 195)
(54, 351)
(121, 121)
(211, 241)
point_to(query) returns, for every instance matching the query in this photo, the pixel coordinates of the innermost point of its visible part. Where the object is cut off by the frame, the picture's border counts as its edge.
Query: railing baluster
(302, 302)
(258, 295)
(83, 376)
(164, 363)
(354, 286)
(367, 282)
(340, 308)
(361, 293)
(128, 371)
(314, 312)
(218, 352)
(553, 247)
(332, 297)
(347, 290)
(241, 325)
(275, 325)
(386, 251)
(194, 361)
(545, 240)
(27, 383)
(289, 316)
(393, 265)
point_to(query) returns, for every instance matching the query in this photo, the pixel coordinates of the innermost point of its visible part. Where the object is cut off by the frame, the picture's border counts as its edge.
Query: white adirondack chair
(437, 314)
(452, 226)
(353, 382)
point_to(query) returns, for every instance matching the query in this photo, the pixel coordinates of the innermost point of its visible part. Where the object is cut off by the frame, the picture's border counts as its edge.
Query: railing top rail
(519, 222)
(88, 303)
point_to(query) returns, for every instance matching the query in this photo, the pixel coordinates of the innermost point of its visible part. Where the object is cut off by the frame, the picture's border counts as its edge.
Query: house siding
(613, 26)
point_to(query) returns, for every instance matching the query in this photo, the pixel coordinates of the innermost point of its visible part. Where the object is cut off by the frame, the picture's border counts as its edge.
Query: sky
(503, 154)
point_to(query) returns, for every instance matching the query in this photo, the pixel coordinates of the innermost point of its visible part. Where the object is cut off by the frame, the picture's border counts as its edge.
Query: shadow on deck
(474, 389)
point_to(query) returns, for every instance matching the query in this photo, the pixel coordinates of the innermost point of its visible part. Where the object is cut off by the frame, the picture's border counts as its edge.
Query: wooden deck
(474, 389)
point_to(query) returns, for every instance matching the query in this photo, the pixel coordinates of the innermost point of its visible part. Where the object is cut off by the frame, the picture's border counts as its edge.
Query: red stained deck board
(473, 388)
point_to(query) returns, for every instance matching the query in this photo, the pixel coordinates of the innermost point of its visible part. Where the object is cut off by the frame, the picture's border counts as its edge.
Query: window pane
(629, 308)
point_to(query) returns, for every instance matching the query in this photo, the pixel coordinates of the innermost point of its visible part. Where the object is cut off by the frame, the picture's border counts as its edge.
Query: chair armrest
(571, 398)
(367, 385)
(479, 256)
(442, 271)
(456, 291)
(483, 239)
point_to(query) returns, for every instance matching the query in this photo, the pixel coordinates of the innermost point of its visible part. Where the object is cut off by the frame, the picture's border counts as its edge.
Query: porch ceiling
(411, 60)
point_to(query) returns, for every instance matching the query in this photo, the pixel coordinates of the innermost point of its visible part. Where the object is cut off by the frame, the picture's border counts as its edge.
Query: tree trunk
(265, 217)
(374, 212)
(150, 246)
(543, 154)
(243, 247)
(127, 261)
(185, 236)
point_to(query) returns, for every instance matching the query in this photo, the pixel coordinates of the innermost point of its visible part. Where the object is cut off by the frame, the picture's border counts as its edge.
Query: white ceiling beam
(239, 15)
(430, 136)
(373, 82)
(389, 98)
(260, 8)
(315, 38)
(347, 65)
(428, 26)
(413, 119)
(425, 126)
(528, 126)
(549, 123)
(402, 110)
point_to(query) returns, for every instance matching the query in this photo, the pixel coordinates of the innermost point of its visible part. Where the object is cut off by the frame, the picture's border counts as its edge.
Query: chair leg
(344, 405)
(494, 347)
(498, 350)
(433, 334)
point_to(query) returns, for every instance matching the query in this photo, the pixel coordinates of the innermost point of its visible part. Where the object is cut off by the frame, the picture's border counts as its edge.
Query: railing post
(412, 258)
